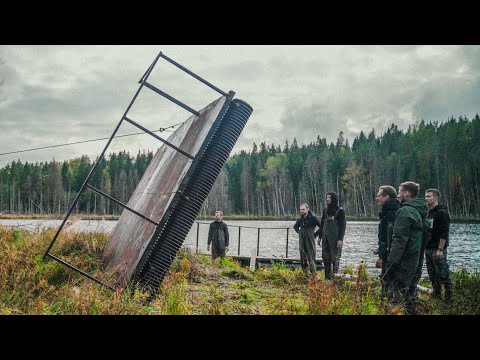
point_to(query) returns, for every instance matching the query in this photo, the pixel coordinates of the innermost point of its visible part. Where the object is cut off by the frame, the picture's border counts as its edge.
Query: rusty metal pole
(286, 249)
(258, 241)
(239, 229)
(198, 228)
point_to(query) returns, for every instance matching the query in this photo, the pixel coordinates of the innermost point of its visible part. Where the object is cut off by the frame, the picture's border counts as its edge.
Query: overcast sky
(58, 94)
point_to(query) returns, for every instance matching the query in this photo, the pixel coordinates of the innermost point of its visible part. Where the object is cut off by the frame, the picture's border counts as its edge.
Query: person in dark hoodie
(331, 233)
(405, 250)
(218, 236)
(387, 199)
(305, 228)
(436, 247)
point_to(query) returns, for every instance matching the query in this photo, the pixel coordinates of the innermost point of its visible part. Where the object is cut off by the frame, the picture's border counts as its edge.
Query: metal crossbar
(159, 138)
(121, 204)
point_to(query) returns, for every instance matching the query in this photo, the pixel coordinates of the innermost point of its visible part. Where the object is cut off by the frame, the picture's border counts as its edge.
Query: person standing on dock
(218, 236)
(305, 228)
(387, 199)
(331, 233)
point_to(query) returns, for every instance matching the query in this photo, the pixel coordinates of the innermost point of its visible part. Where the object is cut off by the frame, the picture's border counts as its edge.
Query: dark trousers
(439, 274)
(330, 256)
(218, 248)
(307, 253)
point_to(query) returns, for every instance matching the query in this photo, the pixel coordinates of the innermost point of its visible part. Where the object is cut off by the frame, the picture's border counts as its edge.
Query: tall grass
(195, 284)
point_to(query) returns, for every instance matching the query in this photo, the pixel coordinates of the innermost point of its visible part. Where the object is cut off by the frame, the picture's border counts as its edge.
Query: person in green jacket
(218, 236)
(405, 250)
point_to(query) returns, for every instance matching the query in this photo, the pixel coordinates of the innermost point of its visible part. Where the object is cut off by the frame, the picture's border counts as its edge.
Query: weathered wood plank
(154, 193)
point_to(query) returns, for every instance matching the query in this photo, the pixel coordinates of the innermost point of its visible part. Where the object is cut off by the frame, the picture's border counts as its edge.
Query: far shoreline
(470, 219)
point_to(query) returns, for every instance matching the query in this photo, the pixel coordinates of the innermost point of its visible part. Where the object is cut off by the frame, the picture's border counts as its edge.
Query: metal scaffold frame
(143, 83)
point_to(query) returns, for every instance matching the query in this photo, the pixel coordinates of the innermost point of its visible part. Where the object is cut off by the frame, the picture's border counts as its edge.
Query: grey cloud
(288, 70)
(305, 123)
(472, 58)
(246, 70)
(398, 48)
(444, 98)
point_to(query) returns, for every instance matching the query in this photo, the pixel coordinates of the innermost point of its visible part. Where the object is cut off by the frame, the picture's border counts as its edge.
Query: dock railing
(233, 230)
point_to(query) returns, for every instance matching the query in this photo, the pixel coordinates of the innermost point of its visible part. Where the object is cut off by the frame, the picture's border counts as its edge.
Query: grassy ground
(194, 285)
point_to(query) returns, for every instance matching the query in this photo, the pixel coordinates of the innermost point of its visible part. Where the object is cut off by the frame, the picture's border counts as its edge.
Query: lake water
(359, 242)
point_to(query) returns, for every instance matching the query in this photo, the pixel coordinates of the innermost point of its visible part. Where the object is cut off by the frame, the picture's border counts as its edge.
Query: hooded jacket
(333, 210)
(407, 237)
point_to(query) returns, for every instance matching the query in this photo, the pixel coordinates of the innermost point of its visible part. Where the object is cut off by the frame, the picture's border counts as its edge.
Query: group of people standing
(411, 229)
(330, 233)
